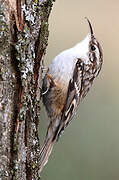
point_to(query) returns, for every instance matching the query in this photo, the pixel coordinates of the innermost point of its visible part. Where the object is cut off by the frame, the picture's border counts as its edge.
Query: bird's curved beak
(90, 26)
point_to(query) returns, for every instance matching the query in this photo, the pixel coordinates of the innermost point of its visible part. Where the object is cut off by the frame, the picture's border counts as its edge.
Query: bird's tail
(51, 137)
(46, 149)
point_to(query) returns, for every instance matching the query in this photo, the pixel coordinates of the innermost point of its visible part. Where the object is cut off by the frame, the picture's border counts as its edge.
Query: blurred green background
(89, 147)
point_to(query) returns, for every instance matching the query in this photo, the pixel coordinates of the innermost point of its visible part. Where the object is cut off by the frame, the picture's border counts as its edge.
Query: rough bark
(23, 42)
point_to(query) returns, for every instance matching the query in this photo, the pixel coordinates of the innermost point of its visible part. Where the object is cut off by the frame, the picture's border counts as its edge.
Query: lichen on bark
(21, 56)
(6, 94)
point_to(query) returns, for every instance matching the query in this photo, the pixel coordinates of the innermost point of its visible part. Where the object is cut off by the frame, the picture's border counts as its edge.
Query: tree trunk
(23, 42)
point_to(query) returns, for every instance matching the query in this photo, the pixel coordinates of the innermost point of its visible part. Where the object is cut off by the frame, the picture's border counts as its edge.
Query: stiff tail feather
(46, 149)
(45, 152)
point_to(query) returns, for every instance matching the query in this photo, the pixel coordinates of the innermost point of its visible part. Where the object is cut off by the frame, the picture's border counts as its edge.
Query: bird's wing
(73, 96)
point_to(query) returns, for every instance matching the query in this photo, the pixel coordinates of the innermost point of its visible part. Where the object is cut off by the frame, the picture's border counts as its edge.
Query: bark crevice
(21, 57)
(18, 93)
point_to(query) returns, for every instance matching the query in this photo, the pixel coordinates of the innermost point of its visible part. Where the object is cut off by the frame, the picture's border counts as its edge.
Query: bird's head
(91, 51)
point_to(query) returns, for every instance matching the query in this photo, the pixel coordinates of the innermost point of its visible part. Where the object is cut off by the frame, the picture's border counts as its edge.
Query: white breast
(63, 65)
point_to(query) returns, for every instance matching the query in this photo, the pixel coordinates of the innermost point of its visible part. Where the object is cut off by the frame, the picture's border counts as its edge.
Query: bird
(66, 82)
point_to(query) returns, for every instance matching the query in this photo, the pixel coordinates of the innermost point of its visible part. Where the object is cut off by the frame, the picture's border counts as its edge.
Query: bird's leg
(49, 81)
(49, 77)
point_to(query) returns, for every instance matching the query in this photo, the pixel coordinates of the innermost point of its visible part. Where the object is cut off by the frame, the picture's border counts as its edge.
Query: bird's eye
(93, 48)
